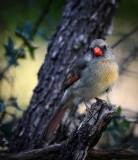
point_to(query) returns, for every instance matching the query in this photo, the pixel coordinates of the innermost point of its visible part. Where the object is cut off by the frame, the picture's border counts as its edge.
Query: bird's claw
(100, 100)
(87, 108)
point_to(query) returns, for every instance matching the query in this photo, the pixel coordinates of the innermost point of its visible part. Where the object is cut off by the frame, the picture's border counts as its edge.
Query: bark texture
(52, 151)
(82, 21)
(89, 132)
(81, 140)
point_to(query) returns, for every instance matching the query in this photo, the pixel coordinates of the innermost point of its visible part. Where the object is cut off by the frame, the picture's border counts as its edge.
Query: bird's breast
(108, 74)
(96, 79)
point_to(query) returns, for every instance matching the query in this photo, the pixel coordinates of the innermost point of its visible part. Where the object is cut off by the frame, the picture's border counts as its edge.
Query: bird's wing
(74, 73)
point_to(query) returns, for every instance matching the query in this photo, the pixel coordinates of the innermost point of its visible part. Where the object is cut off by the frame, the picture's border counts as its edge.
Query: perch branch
(52, 151)
(82, 139)
(89, 132)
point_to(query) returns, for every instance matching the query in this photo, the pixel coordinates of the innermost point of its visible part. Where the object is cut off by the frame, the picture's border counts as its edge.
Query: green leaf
(11, 99)
(20, 53)
(31, 49)
(13, 103)
(9, 47)
(42, 33)
(119, 110)
(25, 32)
(2, 105)
(13, 54)
(124, 126)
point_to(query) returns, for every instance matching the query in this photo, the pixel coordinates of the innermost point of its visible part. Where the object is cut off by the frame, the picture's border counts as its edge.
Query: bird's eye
(91, 50)
(104, 47)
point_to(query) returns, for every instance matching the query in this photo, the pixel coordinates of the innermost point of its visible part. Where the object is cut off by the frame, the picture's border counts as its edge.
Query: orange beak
(97, 51)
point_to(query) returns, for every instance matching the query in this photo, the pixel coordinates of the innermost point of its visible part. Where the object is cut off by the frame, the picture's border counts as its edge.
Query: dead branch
(52, 151)
(81, 140)
(47, 153)
(112, 154)
(89, 132)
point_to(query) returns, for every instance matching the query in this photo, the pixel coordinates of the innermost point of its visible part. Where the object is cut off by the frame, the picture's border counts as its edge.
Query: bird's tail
(54, 121)
(56, 118)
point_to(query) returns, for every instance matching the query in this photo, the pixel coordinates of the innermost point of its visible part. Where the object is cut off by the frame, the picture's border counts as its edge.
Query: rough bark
(81, 141)
(82, 21)
(89, 132)
(121, 154)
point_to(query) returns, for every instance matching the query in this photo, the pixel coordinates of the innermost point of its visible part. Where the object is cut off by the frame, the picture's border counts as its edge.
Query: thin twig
(42, 16)
(125, 37)
(132, 120)
(4, 71)
(129, 58)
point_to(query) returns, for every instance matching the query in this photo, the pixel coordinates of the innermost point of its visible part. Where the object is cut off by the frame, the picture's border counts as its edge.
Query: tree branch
(48, 153)
(125, 37)
(126, 60)
(82, 139)
(89, 132)
(43, 14)
(132, 120)
(112, 154)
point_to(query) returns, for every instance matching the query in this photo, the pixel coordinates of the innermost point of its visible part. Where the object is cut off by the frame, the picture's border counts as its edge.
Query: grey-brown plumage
(91, 76)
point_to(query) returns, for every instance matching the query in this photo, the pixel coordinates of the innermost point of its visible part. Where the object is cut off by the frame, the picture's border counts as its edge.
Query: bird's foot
(87, 108)
(100, 100)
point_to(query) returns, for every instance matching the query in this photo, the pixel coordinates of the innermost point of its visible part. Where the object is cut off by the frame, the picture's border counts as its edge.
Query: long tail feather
(56, 118)
(53, 123)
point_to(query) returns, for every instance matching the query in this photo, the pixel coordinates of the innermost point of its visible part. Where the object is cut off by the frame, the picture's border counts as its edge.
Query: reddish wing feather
(73, 79)
(70, 79)
(74, 73)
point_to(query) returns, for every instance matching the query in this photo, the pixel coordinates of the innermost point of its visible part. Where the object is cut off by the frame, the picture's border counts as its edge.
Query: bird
(91, 76)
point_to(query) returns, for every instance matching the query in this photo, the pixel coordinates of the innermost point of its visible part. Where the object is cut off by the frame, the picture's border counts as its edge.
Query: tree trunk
(82, 21)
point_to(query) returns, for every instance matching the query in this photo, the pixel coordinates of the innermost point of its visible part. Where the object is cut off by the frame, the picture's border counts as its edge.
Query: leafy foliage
(119, 133)
(6, 127)
(2, 105)
(13, 103)
(8, 110)
(26, 34)
(13, 54)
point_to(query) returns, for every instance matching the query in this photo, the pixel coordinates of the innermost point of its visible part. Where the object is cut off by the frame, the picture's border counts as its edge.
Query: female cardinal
(92, 75)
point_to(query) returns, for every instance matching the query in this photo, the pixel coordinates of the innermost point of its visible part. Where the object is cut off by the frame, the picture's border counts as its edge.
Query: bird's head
(101, 50)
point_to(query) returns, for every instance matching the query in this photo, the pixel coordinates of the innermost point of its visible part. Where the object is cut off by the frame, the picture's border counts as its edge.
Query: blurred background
(25, 31)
